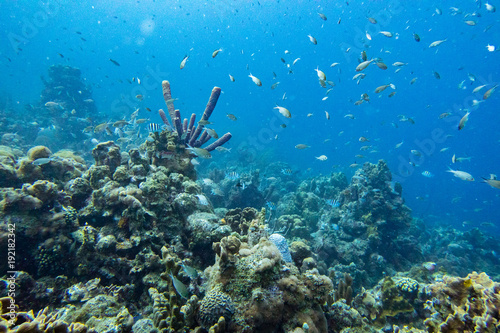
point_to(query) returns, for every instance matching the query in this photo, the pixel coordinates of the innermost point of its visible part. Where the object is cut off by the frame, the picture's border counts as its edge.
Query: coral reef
(470, 304)
(133, 242)
(42, 322)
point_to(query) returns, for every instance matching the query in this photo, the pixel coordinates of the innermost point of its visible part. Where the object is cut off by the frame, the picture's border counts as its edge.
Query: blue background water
(149, 40)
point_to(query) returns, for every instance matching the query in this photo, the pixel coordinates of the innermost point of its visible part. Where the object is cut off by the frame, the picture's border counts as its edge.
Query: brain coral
(215, 304)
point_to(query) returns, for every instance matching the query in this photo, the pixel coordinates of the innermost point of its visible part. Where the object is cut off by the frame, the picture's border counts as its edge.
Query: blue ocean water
(149, 39)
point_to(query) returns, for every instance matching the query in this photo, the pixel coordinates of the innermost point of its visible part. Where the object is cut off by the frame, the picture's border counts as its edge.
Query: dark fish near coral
(114, 62)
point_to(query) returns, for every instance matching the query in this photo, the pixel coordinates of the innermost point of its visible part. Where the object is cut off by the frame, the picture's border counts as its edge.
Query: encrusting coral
(469, 304)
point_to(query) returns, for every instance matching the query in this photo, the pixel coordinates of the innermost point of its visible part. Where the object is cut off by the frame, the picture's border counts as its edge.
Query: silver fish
(179, 287)
(41, 161)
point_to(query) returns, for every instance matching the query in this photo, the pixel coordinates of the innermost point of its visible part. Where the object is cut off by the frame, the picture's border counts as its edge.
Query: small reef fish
(429, 265)
(437, 43)
(204, 122)
(302, 146)
(53, 105)
(323, 16)
(463, 121)
(231, 116)
(462, 175)
(202, 199)
(120, 123)
(183, 62)
(416, 37)
(399, 64)
(490, 91)
(321, 74)
(200, 152)
(179, 287)
(327, 115)
(231, 78)
(427, 174)
(212, 133)
(216, 52)
(363, 65)
(287, 171)
(415, 152)
(100, 128)
(232, 175)
(312, 39)
(271, 205)
(386, 33)
(333, 203)
(207, 181)
(217, 191)
(190, 271)
(223, 149)
(492, 181)
(322, 158)
(114, 62)
(152, 127)
(275, 84)
(284, 112)
(381, 88)
(41, 161)
(255, 80)
(490, 7)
